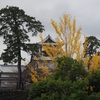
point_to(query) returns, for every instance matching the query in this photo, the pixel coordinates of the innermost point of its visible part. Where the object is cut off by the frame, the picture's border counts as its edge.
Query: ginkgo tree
(68, 39)
(39, 73)
(69, 43)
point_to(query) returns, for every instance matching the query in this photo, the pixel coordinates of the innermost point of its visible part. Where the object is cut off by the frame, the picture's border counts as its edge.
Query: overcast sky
(87, 13)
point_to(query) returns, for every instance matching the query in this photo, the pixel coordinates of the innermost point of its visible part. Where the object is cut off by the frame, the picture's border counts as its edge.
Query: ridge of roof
(48, 38)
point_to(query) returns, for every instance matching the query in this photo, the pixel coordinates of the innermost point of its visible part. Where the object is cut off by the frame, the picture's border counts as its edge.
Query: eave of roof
(45, 39)
(10, 65)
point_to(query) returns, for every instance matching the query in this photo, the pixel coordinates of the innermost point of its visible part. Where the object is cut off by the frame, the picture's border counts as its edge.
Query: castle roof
(49, 40)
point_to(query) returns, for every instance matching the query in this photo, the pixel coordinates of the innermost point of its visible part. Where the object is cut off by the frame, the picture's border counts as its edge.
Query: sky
(86, 12)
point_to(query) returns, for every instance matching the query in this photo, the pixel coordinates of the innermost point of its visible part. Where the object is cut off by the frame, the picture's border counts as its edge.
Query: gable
(49, 40)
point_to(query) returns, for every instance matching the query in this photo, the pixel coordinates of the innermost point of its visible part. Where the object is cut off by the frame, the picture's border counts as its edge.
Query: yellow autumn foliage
(69, 43)
(38, 74)
(68, 39)
(33, 72)
(94, 64)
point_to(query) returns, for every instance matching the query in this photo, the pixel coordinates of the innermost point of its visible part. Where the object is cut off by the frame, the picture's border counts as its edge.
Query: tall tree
(14, 28)
(92, 47)
(69, 34)
(68, 39)
(68, 42)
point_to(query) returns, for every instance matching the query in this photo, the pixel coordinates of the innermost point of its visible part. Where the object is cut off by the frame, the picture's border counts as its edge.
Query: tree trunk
(19, 65)
(19, 74)
(66, 43)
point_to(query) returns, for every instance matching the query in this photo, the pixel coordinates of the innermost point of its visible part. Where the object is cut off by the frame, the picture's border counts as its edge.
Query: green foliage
(43, 89)
(32, 49)
(94, 96)
(14, 27)
(58, 90)
(93, 44)
(69, 82)
(63, 84)
(94, 80)
(69, 68)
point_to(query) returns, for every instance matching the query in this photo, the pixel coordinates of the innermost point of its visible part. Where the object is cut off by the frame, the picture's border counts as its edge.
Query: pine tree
(14, 27)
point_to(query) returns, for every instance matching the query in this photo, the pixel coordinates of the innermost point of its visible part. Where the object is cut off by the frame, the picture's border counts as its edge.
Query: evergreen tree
(14, 28)
(92, 47)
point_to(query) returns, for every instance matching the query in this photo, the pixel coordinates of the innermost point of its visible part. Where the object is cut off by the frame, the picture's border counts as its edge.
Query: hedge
(13, 94)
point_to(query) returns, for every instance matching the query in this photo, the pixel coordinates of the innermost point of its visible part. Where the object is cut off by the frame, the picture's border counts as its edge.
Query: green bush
(70, 81)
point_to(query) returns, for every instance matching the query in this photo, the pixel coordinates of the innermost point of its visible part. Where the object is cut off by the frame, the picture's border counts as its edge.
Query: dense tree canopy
(67, 78)
(61, 86)
(15, 26)
(71, 79)
(69, 68)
